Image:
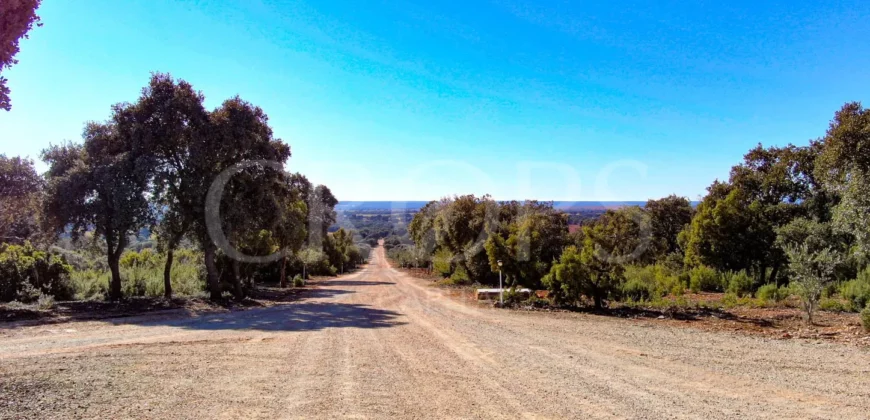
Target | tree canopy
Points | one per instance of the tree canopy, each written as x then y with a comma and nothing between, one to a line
17,18
20,199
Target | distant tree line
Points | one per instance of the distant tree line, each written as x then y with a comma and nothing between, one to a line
373,225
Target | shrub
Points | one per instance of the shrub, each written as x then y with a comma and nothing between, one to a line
143,277
731,300
90,284
537,302
460,276
441,262
298,281
638,290
45,302
738,283
833,305
668,284
811,272
640,283
865,318
705,279
857,291
144,258
650,282
26,272
512,298
685,279
769,292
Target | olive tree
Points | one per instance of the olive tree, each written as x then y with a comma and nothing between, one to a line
811,272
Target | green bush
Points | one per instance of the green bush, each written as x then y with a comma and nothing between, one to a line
142,275
442,262
834,305
857,291
511,297
638,290
144,258
865,318
45,302
650,282
26,273
460,276
685,279
640,283
738,283
769,292
670,284
298,281
90,284
705,279
731,300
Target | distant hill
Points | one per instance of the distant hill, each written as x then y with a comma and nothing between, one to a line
417,205
380,205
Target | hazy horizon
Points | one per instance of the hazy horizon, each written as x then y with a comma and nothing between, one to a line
417,204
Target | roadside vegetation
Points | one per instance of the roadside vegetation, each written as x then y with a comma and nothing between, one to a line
790,223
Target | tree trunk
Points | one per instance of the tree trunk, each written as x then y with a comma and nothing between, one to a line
167,273
598,301
775,273
763,274
115,284
238,291
214,286
114,249
283,277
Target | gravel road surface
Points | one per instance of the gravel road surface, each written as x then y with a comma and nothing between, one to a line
379,344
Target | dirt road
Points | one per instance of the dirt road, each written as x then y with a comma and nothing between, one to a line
378,344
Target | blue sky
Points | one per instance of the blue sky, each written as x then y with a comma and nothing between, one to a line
417,100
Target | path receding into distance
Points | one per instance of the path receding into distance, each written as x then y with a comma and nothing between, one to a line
379,344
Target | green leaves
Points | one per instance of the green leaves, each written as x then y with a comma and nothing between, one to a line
17,17
20,200
668,217
527,239
852,214
26,272
811,272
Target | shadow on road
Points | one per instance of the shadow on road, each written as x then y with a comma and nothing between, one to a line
353,283
293,311
301,316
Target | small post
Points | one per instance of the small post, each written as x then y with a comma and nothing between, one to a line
500,288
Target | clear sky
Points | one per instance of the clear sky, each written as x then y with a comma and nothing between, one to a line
414,100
